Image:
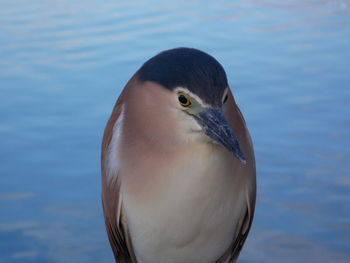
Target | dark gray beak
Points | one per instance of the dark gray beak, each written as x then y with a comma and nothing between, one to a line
216,127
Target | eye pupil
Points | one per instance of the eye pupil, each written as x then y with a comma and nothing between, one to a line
183,99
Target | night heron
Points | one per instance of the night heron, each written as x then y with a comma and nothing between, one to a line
178,168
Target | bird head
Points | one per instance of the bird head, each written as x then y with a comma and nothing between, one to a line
199,91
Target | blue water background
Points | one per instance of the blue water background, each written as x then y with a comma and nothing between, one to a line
63,64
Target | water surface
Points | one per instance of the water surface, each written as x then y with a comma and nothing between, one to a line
63,64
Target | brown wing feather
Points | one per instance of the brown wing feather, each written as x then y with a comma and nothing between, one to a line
118,235
234,250
237,120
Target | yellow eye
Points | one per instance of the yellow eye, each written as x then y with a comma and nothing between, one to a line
184,101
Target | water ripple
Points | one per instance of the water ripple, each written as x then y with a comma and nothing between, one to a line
63,64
